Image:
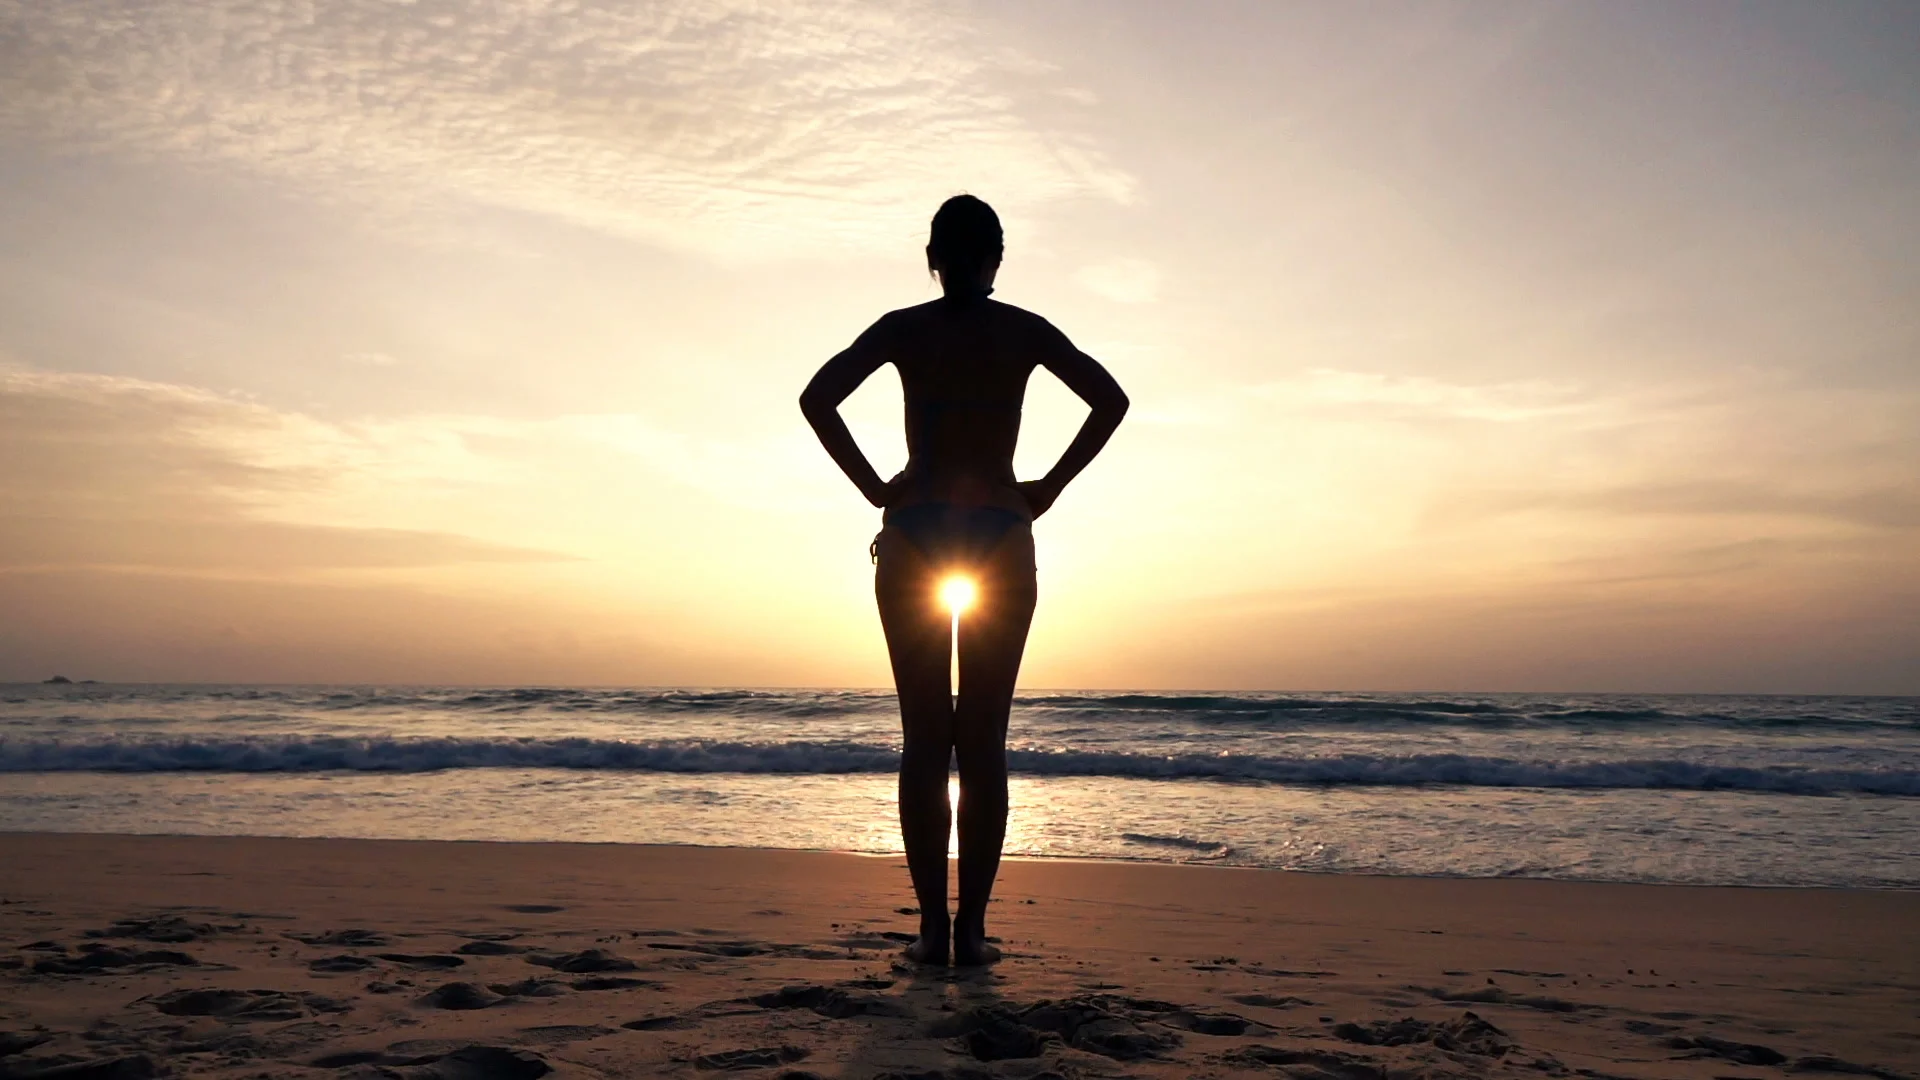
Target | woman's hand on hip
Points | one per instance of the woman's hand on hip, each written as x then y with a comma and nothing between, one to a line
888,493
1039,495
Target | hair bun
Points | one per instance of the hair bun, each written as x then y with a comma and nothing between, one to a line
965,240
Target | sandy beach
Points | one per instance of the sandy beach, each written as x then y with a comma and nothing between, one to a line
131,956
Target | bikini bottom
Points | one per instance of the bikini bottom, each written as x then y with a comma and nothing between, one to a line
947,534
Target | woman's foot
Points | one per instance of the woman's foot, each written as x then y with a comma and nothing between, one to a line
925,950
973,950
931,946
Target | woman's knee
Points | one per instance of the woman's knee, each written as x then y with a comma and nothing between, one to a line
980,764
987,791
921,757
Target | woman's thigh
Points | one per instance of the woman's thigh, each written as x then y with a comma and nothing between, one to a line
919,635
993,635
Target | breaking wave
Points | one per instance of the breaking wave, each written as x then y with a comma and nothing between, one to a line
1259,711
266,753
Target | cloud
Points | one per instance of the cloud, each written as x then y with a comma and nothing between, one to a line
121,625
99,445
1873,507
1730,623
1123,280
731,127
153,531
112,472
115,471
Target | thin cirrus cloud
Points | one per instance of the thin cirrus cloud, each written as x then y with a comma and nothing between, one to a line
115,471
1505,481
120,473
723,126
153,530
157,531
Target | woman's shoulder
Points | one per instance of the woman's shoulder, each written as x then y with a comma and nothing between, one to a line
940,310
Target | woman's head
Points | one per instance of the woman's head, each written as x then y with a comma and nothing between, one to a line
965,245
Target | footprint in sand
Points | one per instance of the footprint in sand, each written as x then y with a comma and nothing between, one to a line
616,982
830,1002
765,1057
1494,995
95,959
350,939
336,965
19,1042
429,962
584,962
165,929
1124,1029
1467,1034
1738,1052
466,1063
529,988
245,1005
557,1034
1270,1001
491,948
660,1023
1325,1062
124,1067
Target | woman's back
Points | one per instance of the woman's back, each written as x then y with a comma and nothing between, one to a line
963,369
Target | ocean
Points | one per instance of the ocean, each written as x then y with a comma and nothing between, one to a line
1680,789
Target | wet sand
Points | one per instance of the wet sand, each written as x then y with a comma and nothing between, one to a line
124,957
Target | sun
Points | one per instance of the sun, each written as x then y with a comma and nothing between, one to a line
957,593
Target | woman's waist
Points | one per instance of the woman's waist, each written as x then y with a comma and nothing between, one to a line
965,492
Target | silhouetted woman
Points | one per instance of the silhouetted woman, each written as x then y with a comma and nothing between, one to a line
957,510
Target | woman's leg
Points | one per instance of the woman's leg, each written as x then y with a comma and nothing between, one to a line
992,638
919,641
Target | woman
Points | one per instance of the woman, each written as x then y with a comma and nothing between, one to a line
957,509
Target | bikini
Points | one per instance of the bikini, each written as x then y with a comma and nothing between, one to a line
948,534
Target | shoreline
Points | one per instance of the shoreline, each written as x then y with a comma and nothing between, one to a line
608,959
1069,860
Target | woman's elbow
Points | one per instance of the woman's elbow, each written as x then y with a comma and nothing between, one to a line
813,402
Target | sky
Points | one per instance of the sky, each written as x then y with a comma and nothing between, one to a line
1482,346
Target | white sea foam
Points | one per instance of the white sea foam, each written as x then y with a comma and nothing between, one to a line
1273,711
1730,790
331,753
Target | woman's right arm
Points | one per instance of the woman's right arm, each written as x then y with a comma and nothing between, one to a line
820,402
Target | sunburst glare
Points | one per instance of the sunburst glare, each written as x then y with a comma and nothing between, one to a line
957,593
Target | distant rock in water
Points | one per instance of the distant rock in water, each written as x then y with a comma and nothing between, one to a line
61,679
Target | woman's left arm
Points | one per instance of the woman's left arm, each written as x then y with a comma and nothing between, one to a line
820,402
1107,406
